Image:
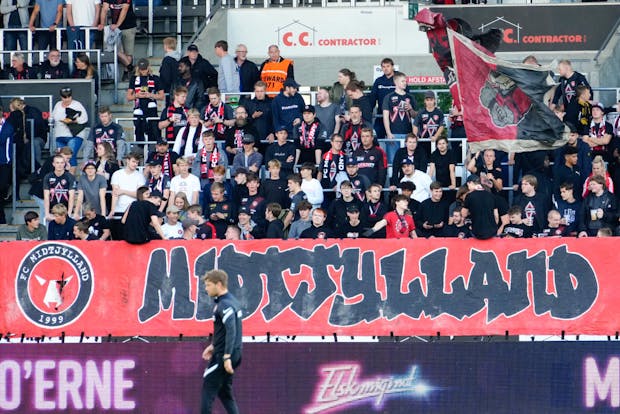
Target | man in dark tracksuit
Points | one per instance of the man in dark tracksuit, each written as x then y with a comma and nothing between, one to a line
225,351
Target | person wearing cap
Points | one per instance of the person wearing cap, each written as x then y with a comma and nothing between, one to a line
260,112
287,106
276,70
282,150
156,180
122,17
218,115
70,122
106,131
337,211
189,228
351,129
359,182
480,206
249,158
172,228
429,123
141,222
421,180
352,227
144,90
195,88
411,151
234,135
310,137
249,229
202,69
599,133
227,74
174,116
564,97
166,156
91,189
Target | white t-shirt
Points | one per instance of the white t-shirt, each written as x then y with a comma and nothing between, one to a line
187,185
172,231
60,112
83,11
129,182
422,183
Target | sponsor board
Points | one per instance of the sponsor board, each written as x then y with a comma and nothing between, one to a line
362,378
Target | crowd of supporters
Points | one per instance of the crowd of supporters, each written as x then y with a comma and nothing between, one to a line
274,166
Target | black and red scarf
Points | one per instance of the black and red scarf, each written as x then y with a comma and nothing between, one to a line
208,162
307,134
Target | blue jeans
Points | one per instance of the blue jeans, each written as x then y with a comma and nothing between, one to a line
390,147
76,38
11,39
75,143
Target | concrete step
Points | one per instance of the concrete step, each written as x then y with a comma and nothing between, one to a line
8,232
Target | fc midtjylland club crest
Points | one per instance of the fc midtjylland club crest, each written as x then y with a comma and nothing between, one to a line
54,284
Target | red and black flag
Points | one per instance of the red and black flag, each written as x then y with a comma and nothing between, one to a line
503,102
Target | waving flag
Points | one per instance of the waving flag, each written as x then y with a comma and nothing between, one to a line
503,102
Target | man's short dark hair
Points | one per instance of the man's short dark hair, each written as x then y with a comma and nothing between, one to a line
304,205
275,209
435,185
515,210
251,176
81,226
30,215
296,178
223,44
567,186
387,60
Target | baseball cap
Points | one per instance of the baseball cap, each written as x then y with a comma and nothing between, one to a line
407,161
351,161
248,139
192,48
244,210
156,193
598,105
172,209
162,141
65,91
89,163
155,162
429,94
187,223
309,108
291,82
353,209
143,63
281,128
473,178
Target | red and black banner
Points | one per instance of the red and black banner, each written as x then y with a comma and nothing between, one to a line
347,287
503,103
